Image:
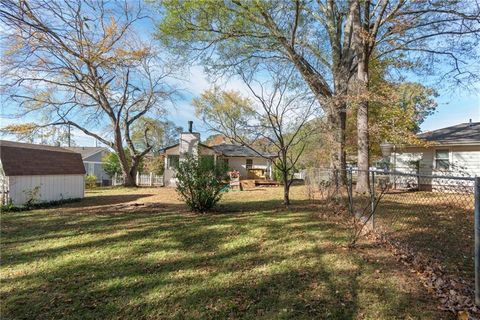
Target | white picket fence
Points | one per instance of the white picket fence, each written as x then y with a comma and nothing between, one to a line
142,180
299,175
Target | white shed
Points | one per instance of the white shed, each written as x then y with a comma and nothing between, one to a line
39,173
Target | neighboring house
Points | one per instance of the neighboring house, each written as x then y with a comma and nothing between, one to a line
240,158
452,151
39,173
92,159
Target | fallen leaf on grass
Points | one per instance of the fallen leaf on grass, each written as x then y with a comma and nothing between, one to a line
462,315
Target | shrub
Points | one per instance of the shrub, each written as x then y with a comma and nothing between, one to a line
10,207
90,181
200,182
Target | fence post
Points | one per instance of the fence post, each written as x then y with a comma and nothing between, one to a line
151,179
373,200
137,180
350,190
477,239
115,177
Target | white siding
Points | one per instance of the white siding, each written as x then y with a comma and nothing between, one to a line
51,187
464,162
404,161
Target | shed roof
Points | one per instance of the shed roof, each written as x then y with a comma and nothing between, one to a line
464,133
25,159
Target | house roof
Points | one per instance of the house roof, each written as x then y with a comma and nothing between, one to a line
87,151
464,133
229,150
25,159
177,144
235,150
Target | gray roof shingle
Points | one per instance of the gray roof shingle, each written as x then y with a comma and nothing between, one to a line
87,151
463,133
235,150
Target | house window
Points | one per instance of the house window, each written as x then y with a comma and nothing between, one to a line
172,161
442,159
249,164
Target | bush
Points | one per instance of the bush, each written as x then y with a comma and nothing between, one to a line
200,182
10,207
90,181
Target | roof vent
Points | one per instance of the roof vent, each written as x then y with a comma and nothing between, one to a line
471,123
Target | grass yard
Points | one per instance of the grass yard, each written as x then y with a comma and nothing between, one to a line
139,254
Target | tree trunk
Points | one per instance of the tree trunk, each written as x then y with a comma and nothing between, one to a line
286,188
286,193
363,185
337,128
130,181
362,48
336,115
133,171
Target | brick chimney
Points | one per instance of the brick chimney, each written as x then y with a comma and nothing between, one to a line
189,142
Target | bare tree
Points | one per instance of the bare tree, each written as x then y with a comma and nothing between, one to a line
81,63
279,115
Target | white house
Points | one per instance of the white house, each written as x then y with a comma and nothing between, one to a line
39,173
453,151
92,160
250,164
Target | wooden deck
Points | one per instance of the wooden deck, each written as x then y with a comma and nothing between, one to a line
251,183
267,183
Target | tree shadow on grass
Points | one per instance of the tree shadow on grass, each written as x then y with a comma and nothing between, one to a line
102,200
172,265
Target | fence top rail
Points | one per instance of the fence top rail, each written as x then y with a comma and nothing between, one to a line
433,176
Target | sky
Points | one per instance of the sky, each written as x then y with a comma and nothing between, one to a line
453,108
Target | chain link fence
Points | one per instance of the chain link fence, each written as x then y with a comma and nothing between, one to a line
431,214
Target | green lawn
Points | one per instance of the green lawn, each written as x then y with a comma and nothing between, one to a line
139,254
